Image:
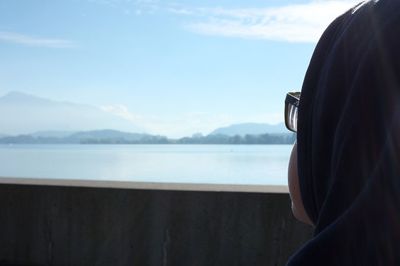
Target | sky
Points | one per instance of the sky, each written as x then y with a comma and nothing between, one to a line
171,67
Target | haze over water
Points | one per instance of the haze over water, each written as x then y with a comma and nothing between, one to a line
208,164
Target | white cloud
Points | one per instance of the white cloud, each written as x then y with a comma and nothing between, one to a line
121,111
182,11
186,124
128,7
291,23
27,40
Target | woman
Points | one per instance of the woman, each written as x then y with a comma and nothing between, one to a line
348,142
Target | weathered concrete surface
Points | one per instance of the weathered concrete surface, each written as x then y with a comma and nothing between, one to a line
42,225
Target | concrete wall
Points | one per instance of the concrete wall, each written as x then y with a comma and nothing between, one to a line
42,225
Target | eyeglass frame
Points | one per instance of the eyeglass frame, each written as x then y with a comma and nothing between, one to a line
292,101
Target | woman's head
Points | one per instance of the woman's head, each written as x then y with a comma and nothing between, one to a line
348,141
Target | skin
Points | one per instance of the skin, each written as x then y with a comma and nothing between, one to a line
294,189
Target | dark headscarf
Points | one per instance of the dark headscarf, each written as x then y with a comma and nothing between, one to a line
349,140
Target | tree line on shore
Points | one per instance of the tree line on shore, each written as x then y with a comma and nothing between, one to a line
283,138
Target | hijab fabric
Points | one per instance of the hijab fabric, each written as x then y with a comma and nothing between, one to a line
349,140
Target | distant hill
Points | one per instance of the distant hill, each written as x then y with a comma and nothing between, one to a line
93,134
108,134
52,134
250,129
85,137
22,113
66,122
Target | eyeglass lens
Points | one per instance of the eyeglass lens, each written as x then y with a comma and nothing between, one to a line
293,117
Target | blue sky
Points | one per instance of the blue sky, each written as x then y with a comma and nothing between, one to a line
171,67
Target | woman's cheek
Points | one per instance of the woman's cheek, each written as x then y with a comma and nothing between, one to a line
294,189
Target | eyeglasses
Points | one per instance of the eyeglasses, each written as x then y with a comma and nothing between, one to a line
291,110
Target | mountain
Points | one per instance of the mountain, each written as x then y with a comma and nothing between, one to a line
250,129
22,113
108,134
105,134
21,98
52,134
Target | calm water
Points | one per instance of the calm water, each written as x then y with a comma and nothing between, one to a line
215,164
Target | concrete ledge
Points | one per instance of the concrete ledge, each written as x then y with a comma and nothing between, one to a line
144,185
54,225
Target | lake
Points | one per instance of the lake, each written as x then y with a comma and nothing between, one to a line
209,164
